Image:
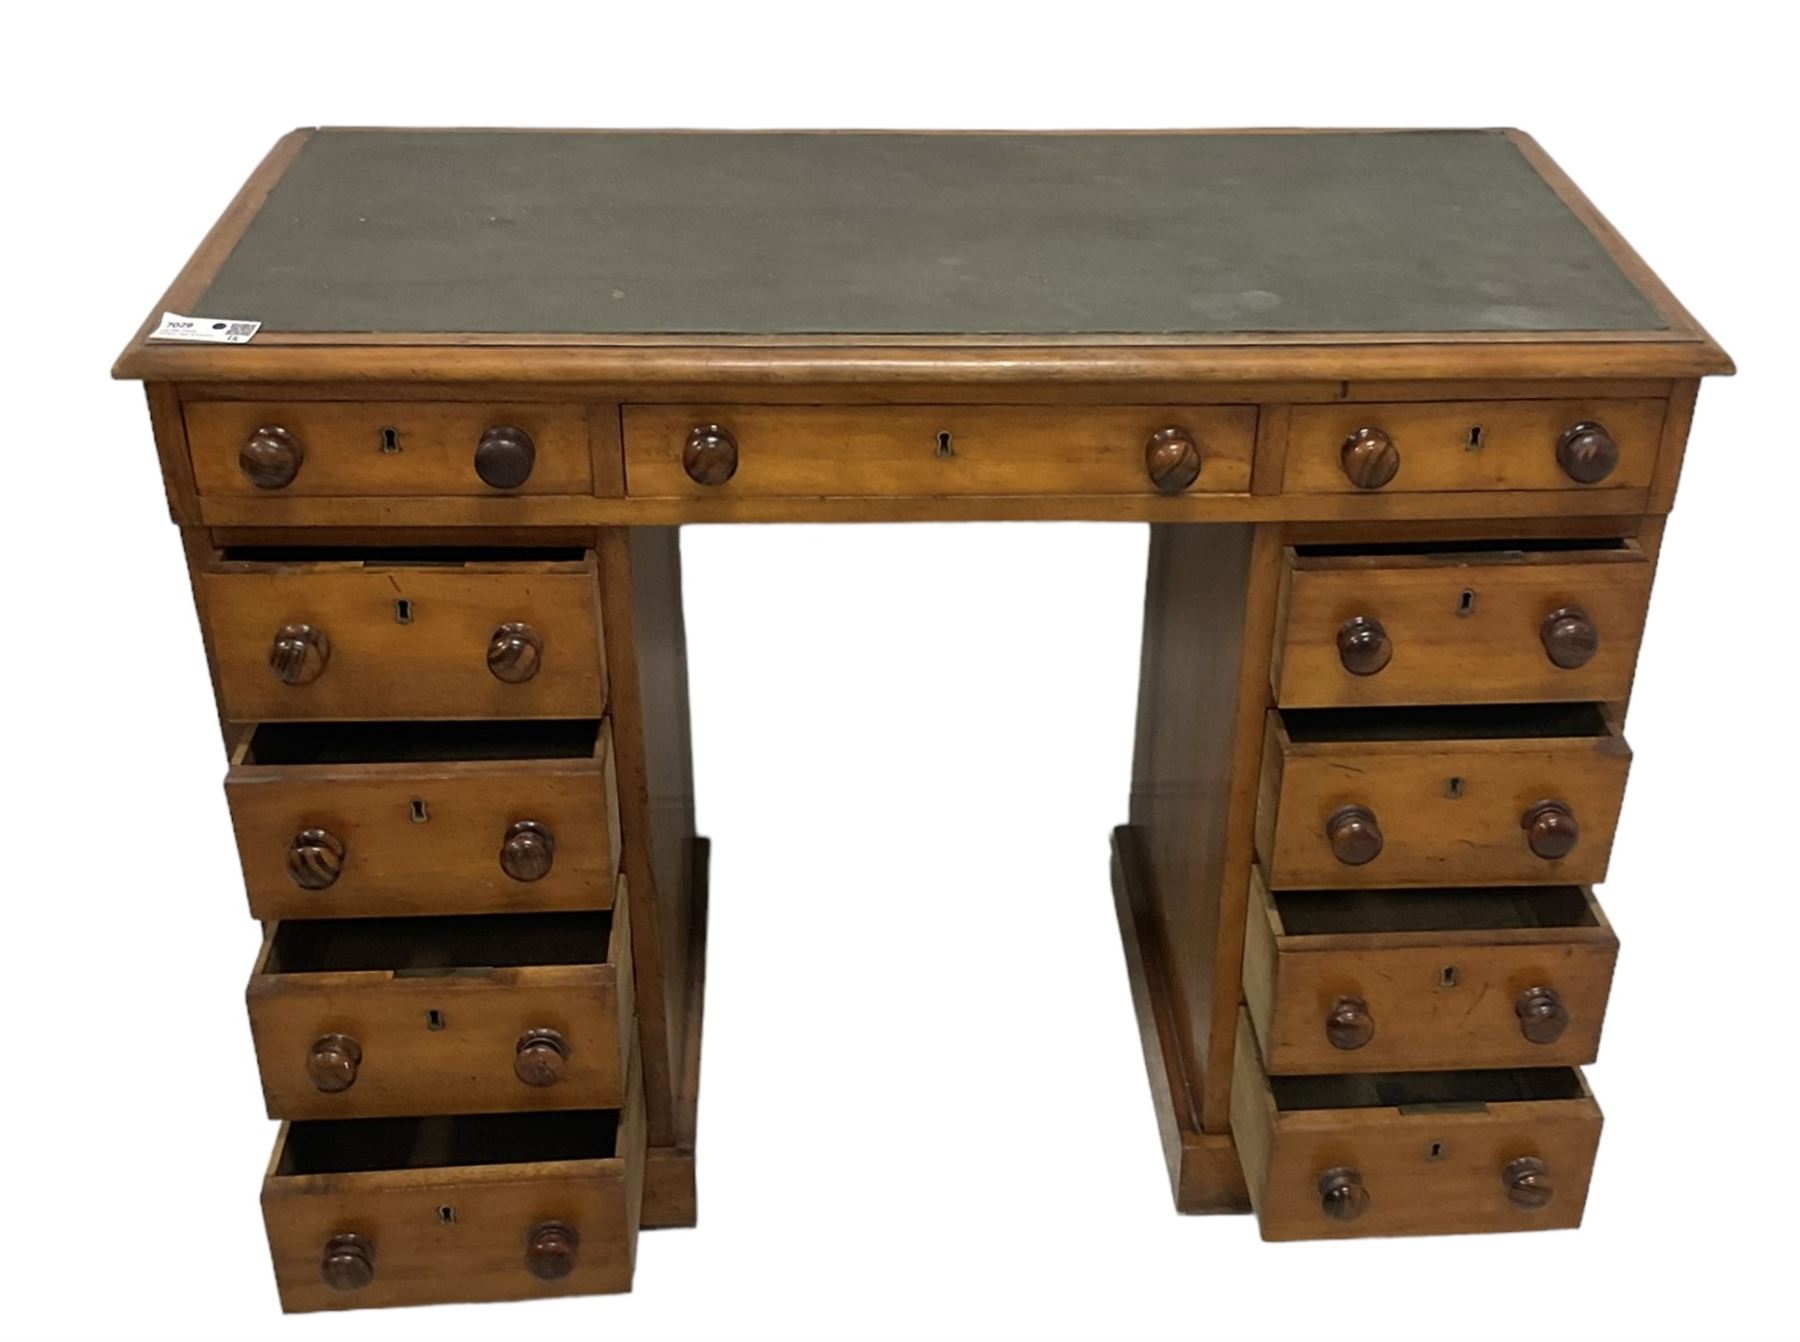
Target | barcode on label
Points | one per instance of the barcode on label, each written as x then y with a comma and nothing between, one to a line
208,330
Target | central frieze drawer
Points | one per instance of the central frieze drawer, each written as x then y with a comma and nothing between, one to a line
707,451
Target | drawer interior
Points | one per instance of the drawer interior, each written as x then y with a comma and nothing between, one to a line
442,556
361,1145
1495,551
419,947
1476,722
302,743
1412,1091
1308,913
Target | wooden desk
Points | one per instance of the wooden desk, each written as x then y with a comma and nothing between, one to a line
1404,415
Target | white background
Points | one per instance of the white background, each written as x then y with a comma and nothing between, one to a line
924,1108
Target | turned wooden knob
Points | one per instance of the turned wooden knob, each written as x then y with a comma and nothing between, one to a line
515,653
711,454
1527,1181
1349,1025
541,1057
1542,1015
1587,452
1172,456
1363,645
271,457
1342,1196
1369,458
315,859
332,1061
1570,638
1550,829
550,1249
528,851
1354,835
504,457
348,1264
299,654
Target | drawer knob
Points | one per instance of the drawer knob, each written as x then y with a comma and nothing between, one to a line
1570,638
1527,1181
528,852
332,1062
271,457
541,1057
711,454
315,859
1349,1025
1542,1015
1587,452
1363,645
1369,458
1550,829
1342,1196
515,652
550,1250
299,654
1172,456
348,1264
504,457
1355,837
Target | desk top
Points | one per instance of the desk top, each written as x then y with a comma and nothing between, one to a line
818,246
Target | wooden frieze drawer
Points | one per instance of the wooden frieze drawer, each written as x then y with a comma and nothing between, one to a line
348,820
323,634
1496,794
1472,445
1402,980
698,451
1412,1153
262,449
366,1017
414,1211
1460,624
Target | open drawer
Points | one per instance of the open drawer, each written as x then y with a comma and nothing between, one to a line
1397,980
348,820
1412,1153
1495,794
364,1017
413,1211
320,633
1459,623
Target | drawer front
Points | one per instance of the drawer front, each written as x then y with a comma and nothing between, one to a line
372,1233
443,1039
371,840
313,449
1460,628
1472,445
931,451
1324,1172
1503,811
1527,988
365,641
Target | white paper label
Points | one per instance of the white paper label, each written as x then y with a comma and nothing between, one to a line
207,330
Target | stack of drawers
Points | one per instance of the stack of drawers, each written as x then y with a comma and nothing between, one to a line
1426,967
422,784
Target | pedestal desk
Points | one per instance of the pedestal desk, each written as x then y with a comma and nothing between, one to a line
1404,416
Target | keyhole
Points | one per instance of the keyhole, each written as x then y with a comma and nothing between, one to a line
446,1216
419,814
390,440
1436,1152
1454,789
1465,604
944,446
1474,443
403,611
434,1019
1447,977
